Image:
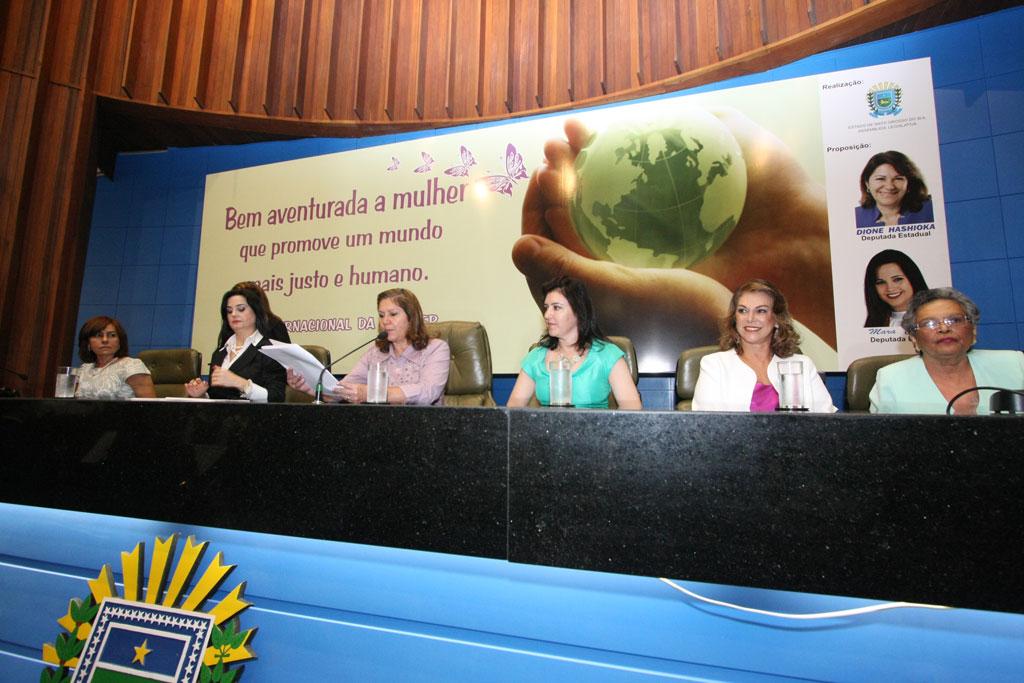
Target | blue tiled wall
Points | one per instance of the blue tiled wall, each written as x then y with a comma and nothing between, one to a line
144,245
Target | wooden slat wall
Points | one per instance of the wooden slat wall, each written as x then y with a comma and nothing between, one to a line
464,61
621,46
492,93
374,54
346,41
180,79
46,95
414,61
287,47
252,58
147,49
404,61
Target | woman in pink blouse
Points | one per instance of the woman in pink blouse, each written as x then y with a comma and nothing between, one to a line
417,364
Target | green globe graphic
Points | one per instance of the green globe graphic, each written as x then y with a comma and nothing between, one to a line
664,193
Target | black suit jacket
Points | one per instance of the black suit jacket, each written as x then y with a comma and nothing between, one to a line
258,367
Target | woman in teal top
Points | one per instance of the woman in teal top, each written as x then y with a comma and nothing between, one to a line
598,366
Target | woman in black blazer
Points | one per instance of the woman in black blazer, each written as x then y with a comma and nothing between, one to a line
238,369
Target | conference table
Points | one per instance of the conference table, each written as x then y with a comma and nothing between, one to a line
917,508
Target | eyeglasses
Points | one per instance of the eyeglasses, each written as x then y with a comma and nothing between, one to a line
934,323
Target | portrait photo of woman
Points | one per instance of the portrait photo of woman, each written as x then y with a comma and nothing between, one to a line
892,192
891,279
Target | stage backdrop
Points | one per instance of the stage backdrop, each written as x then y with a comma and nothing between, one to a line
670,204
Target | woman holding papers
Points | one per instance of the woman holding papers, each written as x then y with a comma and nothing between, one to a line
417,364
238,370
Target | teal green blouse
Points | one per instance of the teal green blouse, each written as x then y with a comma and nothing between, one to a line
590,387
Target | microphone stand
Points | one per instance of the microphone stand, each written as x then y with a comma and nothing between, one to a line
320,379
1003,401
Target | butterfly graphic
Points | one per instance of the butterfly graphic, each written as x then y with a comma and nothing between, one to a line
394,164
428,161
515,170
463,168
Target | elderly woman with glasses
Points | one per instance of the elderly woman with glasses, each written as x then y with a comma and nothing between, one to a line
942,326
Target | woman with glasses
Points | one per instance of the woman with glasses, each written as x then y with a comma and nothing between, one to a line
942,326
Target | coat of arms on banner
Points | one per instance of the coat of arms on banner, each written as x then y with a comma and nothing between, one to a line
157,631
884,99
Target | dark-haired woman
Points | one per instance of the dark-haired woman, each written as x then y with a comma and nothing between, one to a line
277,330
892,192
598,365
238,369
757,334
107,371
417,363
890,280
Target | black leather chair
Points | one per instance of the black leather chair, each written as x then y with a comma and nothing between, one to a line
171,368
860,377
687,371
469,377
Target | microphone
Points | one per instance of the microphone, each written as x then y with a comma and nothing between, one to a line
1008,401
5,392
320,380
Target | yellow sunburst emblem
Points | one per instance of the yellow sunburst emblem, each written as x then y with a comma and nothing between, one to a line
163,633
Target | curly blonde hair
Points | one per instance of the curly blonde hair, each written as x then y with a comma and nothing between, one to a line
785,340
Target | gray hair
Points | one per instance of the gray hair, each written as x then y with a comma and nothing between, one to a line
927,296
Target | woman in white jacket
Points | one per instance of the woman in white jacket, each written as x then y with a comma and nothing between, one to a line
757,334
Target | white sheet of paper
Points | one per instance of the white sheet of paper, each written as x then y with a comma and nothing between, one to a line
301,361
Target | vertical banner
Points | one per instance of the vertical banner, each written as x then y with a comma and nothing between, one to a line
886,214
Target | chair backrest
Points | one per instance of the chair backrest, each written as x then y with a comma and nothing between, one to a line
860,377
624,343
469,377
687,371
171,368
322,355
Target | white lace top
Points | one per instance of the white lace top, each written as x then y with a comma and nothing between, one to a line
110,381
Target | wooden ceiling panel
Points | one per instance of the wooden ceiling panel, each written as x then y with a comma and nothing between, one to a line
315,61
659,58
288,43
492,92
554,44
586,33
217,57
358,67
464,60
374,52
739,27
112,45
184,53
404,60
252,61
523,55
147,49
621,46
343,73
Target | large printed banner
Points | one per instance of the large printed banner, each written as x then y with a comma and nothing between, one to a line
663,207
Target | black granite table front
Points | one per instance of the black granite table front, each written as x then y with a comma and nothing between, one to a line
917,508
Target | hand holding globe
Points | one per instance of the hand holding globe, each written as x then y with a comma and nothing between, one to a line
781,235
